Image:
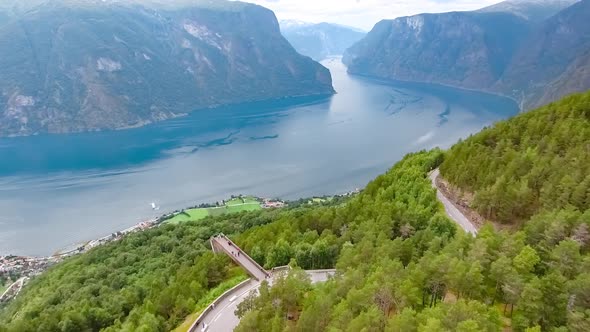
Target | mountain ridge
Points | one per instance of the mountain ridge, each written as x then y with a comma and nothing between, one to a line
551,62
422,38
532,10
111,65
491,51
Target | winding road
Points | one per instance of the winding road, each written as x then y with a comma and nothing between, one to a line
450,208
13,290
222,318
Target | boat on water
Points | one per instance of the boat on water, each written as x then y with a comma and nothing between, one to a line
155,207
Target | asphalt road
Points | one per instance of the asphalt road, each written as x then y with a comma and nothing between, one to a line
14,288
450,208
222,317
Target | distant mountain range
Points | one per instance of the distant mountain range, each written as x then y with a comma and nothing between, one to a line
320,40
532,10
532,51
85,65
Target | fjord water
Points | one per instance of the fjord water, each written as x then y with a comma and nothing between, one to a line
59,190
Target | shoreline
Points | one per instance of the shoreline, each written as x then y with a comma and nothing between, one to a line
303,99
28,267
145,225
142,225
382,80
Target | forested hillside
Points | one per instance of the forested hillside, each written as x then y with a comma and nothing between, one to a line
149,281
539,160
403,268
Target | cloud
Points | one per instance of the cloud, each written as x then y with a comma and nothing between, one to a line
363,13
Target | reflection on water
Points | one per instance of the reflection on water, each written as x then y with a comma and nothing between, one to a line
62,189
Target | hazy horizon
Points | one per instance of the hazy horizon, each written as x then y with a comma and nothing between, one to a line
363,14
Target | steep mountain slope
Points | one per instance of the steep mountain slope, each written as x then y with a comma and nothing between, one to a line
506,49
536,161
554,59
532,10
319,41
76,65
464,49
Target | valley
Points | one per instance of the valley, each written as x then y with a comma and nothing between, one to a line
106,181
211,166
322,40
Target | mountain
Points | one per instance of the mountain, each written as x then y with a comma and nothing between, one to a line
84,65
499,49
554,60
319,41
532,10
463,49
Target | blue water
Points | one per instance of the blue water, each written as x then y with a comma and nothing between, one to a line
58,190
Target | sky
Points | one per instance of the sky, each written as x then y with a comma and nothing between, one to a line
363,14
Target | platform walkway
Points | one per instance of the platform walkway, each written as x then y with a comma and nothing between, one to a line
222,244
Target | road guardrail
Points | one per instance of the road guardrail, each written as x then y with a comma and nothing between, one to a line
210,307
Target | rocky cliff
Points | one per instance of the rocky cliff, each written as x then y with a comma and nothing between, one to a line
80,65
553,61
463,49
532,10
527,50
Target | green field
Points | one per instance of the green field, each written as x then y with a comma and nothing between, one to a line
188,215
232,206
240,201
